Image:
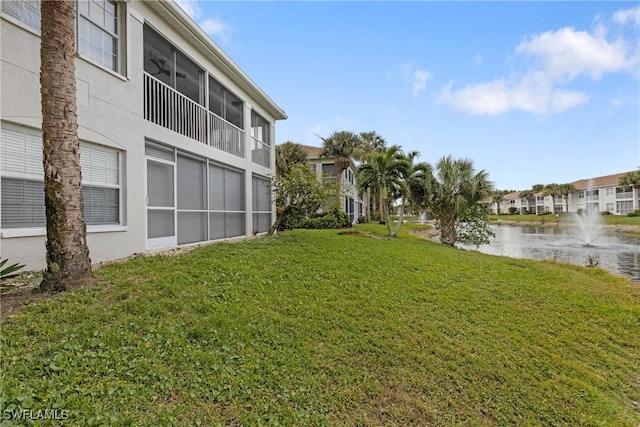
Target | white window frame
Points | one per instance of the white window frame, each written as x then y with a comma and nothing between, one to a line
33,155
119,36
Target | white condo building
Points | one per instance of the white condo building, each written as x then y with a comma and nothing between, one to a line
602,193
176,141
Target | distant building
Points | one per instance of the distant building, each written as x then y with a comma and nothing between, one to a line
325,168
601,193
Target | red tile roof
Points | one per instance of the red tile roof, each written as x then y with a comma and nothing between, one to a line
312,152
511,196
600,181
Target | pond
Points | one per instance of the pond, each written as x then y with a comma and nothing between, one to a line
616,252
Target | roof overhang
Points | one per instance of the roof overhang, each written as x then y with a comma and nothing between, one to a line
183,23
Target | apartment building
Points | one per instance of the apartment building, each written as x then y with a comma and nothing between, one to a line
601,193
176,141
325,168
604,194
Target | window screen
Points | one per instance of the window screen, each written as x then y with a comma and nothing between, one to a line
23,180
26,11
192,181
159,184
226,202
261,204
22,203
101,205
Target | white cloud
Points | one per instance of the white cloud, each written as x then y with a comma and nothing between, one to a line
420,79
559,57
632,16
563,100
217,29
191,8
567,53
414,77
213,26
500,96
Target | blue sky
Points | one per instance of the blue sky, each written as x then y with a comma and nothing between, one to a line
532,92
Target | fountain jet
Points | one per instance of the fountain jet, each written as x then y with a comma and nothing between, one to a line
590,225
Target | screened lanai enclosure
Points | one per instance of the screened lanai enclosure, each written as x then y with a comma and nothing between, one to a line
193,199
182,96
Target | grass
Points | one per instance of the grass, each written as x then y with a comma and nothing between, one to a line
315,327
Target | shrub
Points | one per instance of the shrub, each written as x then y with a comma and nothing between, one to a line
362,219
513,210
634,213
10,270
333,219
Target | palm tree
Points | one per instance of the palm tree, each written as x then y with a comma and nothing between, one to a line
497,197
288,154
67,251
457,191
370,143
537,189
565,190
342,147
414,185
631,179
383,174
527,195
552,190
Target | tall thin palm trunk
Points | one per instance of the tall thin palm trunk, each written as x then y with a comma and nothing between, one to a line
368,205
400,217
67,250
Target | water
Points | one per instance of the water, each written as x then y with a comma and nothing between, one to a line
590,227
615,252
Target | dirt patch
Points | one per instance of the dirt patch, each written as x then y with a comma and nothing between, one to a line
358,233
425,233
21,290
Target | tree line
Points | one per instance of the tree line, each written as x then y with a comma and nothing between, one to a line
387,177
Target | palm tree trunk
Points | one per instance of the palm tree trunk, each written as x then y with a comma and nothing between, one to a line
448,226
400,218
339,171
67,251
284,214
388,219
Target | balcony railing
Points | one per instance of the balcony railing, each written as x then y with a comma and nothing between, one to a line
225,136
624,195
168,108
260,153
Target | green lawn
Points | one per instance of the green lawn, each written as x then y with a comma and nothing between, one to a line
321,328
